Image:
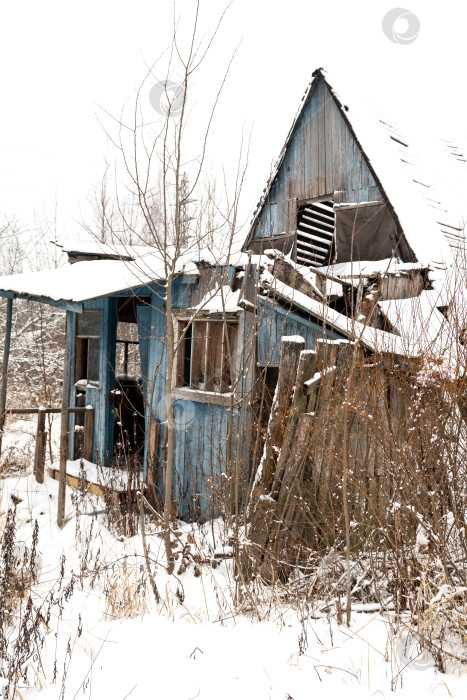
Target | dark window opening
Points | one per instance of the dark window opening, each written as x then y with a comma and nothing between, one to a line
204,354
126,308
127,360
315,233
86,371
129,424
88,327
185,354
127,392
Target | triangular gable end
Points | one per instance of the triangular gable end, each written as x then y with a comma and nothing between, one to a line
321,164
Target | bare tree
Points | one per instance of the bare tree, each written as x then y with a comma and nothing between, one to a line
162,186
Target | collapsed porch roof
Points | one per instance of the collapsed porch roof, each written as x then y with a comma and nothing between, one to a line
438,341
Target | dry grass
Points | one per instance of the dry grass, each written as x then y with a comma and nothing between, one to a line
126,592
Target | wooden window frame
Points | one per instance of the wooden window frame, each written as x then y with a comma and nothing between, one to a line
211,385
84,340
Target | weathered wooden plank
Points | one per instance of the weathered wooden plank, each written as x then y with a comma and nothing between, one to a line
180,413
314,149
104,419
348,161
297,165
152,462
143,314
306,368
289,361
333,117
214,357
321,139
153,441
364,180
291,506
198,355
328,102
6,355
64,422
307,161
61,304
374,194
88,433
39,456
27,411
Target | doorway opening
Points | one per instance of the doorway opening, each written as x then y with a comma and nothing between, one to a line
127,392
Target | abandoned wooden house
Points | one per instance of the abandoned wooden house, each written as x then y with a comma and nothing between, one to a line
346,243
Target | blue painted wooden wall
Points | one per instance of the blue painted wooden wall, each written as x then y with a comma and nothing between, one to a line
322,157
274,321
201,429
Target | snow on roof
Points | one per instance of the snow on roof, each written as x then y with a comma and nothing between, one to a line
91,279
87,280
423,177
439,341
416,319
222,300
370,268
93,247
218,252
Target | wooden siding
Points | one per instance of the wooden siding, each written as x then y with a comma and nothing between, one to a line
200,438
322,157
274,322
200,428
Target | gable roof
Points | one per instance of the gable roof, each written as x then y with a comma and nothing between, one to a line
431,219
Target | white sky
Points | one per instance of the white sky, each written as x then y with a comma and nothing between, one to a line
61,62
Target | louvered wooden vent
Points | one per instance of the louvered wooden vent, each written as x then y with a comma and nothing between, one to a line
315,233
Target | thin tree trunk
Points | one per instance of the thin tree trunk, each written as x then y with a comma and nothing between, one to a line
169,425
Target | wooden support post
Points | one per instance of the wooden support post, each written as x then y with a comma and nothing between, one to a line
152,458
88,433
153,443
306,368
125,358
288,364
41,443
64,422
6,355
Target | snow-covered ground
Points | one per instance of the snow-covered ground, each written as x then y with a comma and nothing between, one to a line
112,640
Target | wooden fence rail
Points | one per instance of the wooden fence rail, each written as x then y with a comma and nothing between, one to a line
41,433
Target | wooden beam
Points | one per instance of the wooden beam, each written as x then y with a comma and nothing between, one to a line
4,377
64,424
28,411
153,459
60,303
41,437
88,433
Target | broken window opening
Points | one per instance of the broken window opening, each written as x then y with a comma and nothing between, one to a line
127,360
88,326
86,370
127,391
204,352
